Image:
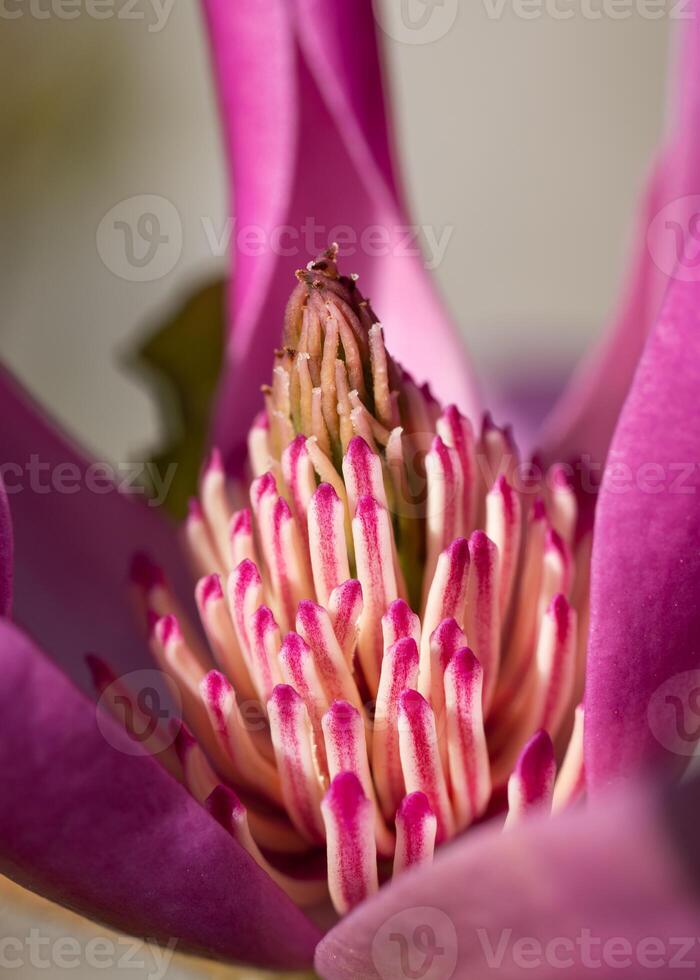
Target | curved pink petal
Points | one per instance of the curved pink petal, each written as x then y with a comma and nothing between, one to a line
74,536
110,834
569,896
6,554
584,419
306,136
645,577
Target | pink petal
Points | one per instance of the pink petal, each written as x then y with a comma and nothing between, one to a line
550,891
645,614
303,110
108,832
72,550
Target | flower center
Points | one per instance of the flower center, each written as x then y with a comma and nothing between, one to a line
393,618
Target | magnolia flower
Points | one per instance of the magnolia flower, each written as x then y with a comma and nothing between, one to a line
394,608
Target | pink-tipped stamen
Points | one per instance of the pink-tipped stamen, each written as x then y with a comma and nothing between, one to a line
571,778
420,759
483,620
399,673
327,544
372,535
416,829
293,742
351,849
227,809
314,626
470,776
345,609
531,785
503,527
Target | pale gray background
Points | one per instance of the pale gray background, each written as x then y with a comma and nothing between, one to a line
530,137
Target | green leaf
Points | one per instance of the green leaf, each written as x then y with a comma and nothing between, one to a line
182,361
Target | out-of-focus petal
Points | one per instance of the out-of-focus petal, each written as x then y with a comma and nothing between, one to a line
74,535
564,896
6,553
306,135
645,574
584,419
92,825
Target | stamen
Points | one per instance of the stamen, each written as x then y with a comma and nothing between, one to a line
556,665
241,544
400,622
399,673
203,553
447,599
570,782
503,527
420,759
483,616
302,789
345,608
200,778
372,534
416,828
216,505
346,750
227,809
352,853
246,763
216,619
362,471
314,626
299,476
327,545
456,432
531,785
265,642
470,777
444,503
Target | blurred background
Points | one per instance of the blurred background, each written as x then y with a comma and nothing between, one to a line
526,137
